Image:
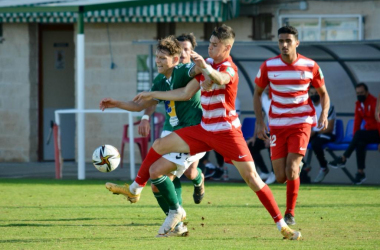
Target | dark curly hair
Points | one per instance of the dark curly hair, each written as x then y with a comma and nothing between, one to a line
188,38
169,44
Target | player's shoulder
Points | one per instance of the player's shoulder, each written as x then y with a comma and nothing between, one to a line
273,61
305,61
159,78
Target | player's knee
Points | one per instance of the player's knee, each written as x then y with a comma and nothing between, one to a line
281,179
154,188
154,173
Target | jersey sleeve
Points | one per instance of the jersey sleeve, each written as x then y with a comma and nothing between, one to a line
318,78
261,79
231,71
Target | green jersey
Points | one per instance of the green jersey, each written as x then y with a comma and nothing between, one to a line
179,114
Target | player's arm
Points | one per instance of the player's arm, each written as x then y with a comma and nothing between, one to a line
217,77
261,129
195,70
377,112
144,126
325,104
130,106
181,94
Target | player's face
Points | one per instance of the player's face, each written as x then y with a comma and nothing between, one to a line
216,48
164,62
287,44
186,50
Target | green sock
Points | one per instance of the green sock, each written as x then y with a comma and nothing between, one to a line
198,180
166,188
162,202
178,189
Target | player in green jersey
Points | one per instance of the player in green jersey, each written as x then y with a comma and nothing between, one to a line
179,115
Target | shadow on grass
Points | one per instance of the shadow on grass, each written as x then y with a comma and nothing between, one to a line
132,224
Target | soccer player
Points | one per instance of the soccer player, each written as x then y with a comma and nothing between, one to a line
291,113
219,129
188,42
179,114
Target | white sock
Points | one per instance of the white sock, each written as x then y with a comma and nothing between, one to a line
135,188
281,224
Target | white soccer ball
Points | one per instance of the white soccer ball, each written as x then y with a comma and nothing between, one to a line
106,158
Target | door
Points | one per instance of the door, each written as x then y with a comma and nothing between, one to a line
58,87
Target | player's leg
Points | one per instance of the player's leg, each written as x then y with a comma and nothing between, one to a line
167,189
133,191
235,150
195,174
180,229
279,169
279,152
248,172
297,141
292,185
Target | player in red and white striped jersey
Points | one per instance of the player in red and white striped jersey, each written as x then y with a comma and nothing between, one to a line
291,113
220,126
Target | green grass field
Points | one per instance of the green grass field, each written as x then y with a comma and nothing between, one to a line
62,214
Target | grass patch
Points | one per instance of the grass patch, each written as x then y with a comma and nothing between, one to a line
62,214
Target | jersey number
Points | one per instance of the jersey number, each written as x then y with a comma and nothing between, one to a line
273,140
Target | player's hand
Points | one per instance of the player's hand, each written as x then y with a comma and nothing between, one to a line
143,96
107,103
267,143
251,140
322,122
206,85
262,130
144,127
198,60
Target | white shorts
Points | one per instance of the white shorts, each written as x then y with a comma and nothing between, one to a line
182,160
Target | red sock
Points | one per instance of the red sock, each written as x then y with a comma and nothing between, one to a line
292,187
143,174
266,197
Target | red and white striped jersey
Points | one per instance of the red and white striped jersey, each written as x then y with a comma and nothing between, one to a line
289,85
219,114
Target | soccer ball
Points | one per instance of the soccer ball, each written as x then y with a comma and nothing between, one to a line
106,158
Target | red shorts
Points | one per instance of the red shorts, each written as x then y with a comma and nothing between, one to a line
289,140
230,144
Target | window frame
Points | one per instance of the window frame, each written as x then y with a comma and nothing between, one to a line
320,28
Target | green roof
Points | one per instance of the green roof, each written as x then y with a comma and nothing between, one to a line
99,11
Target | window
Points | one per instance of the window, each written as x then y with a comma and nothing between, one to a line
326,27
262,27
165,29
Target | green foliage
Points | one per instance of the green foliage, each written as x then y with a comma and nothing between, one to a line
61,214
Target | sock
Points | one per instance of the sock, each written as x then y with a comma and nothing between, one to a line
280,224
162,202
166,188
292,187
198,180
267,199
178,189
135,188
143,174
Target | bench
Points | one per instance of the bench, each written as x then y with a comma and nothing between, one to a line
341,143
